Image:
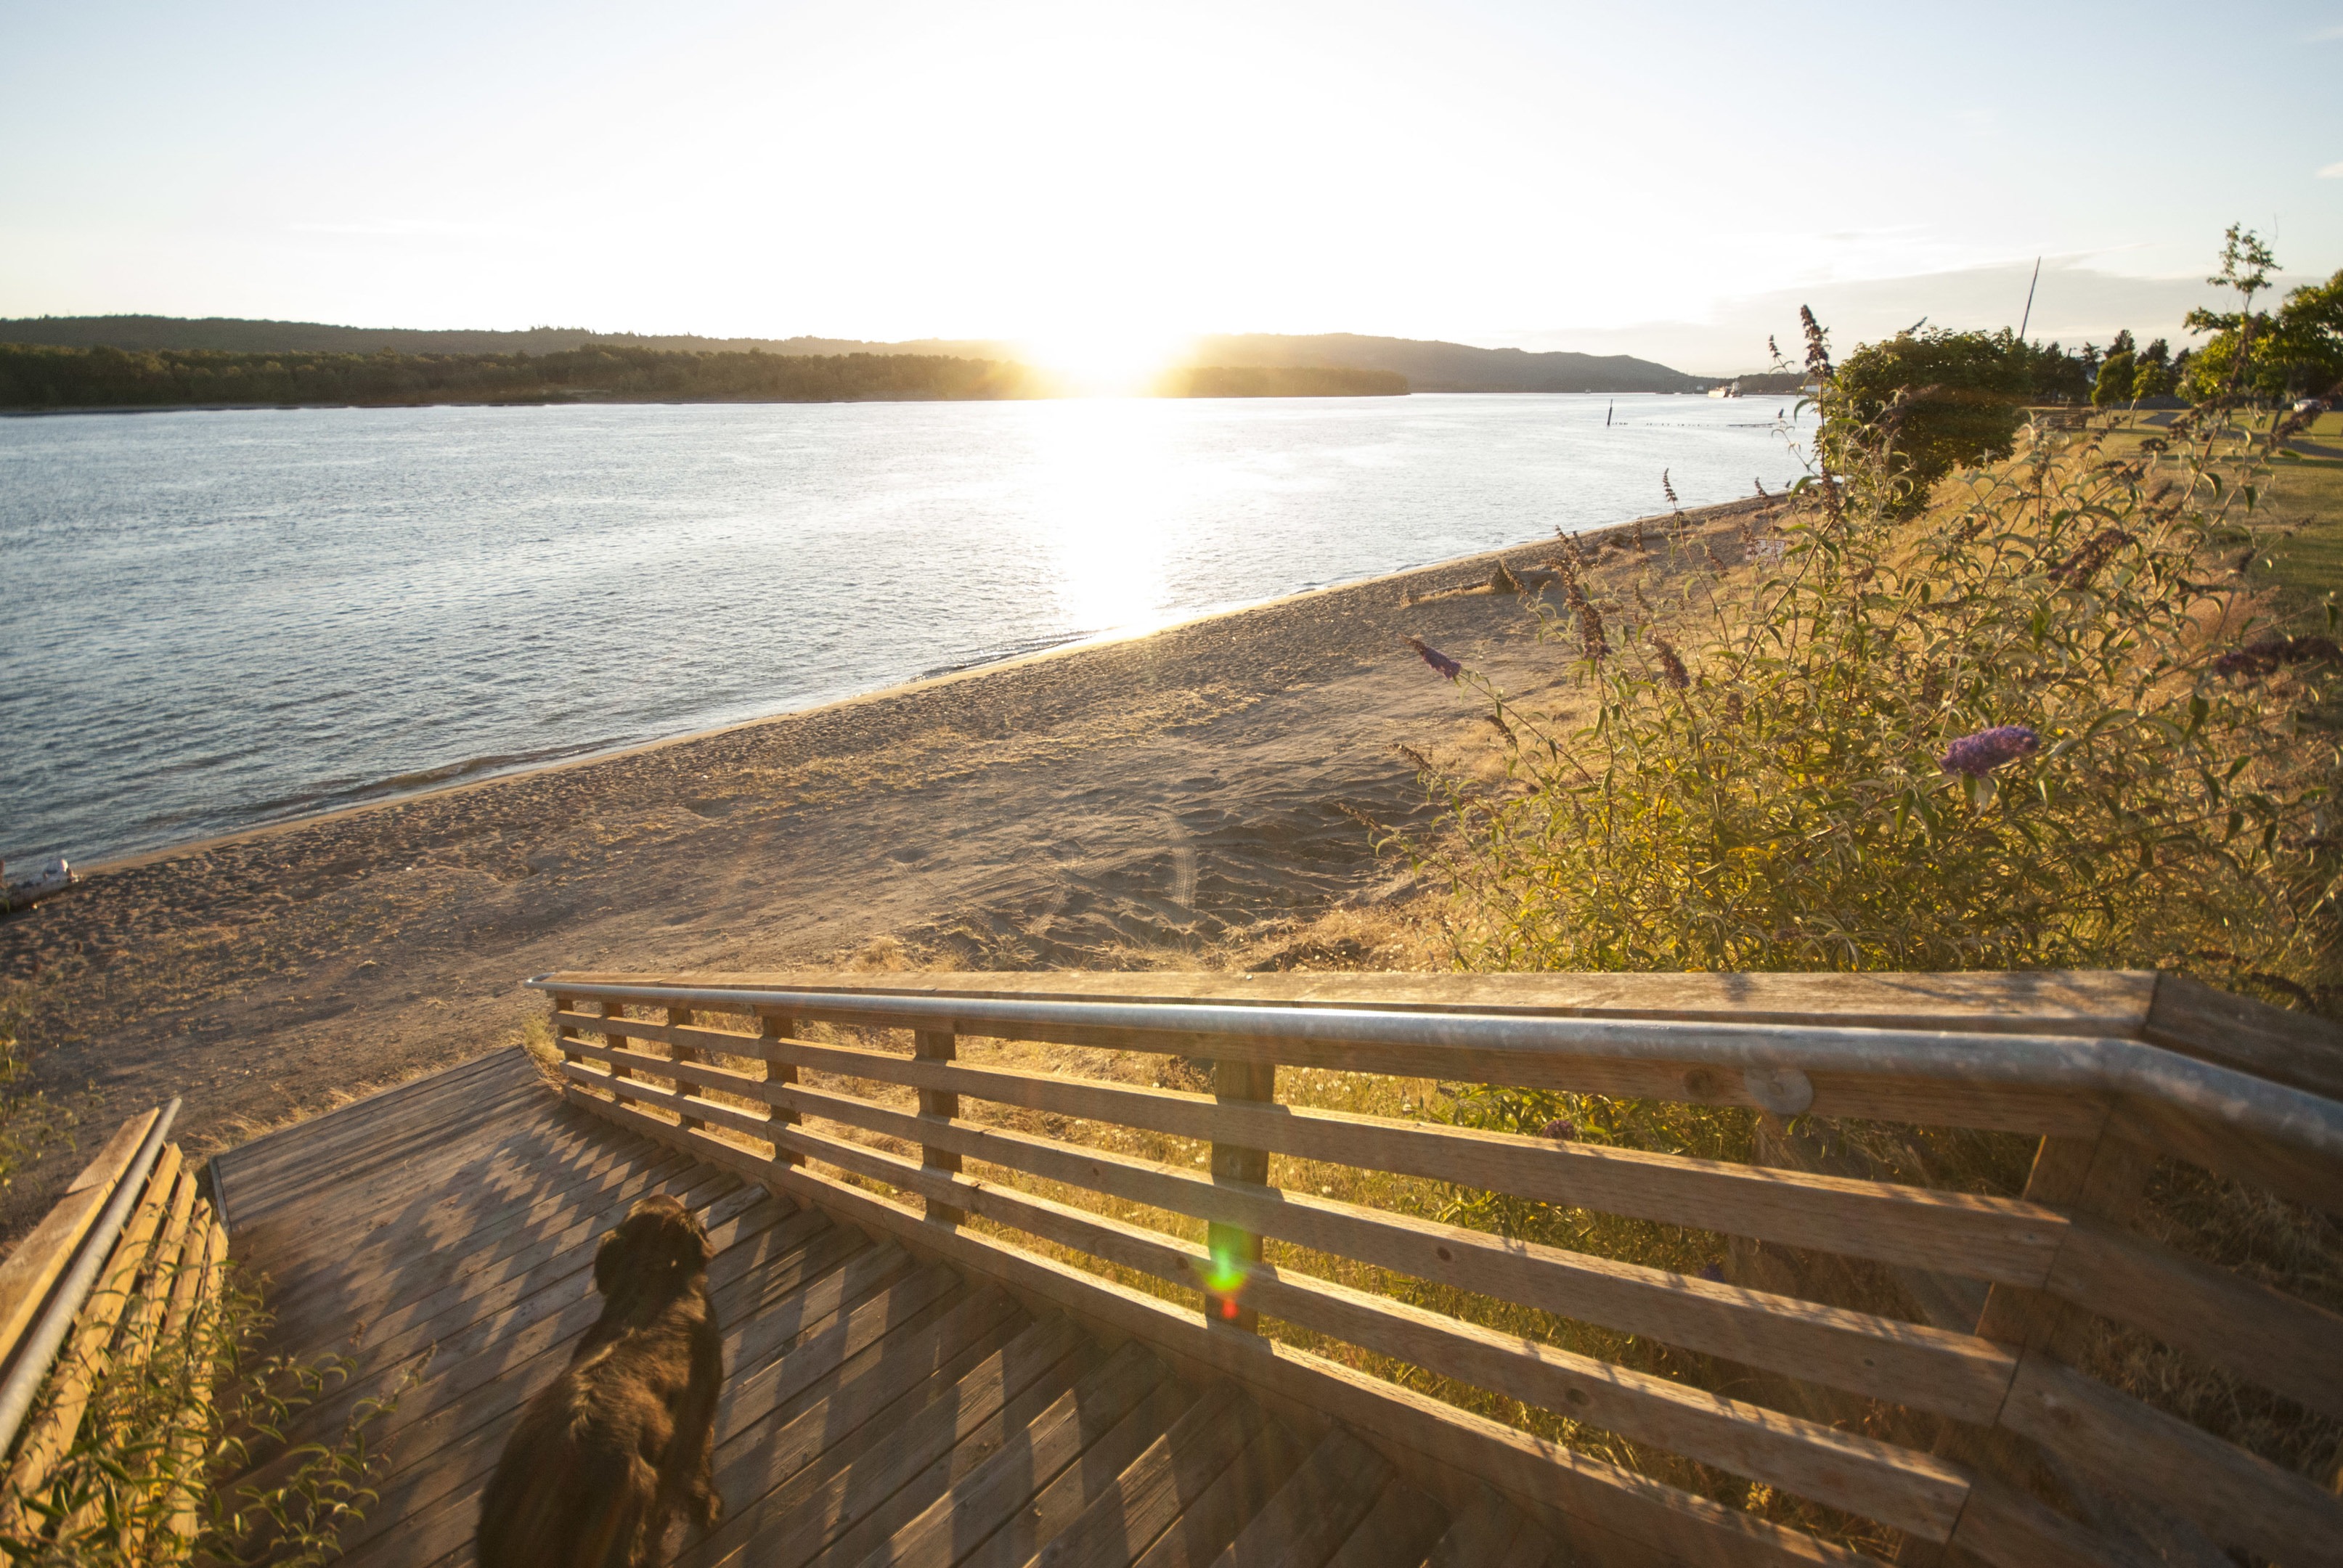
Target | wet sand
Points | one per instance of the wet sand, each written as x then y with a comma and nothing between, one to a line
1140,803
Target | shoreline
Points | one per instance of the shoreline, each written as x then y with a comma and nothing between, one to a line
1190,797
1073,645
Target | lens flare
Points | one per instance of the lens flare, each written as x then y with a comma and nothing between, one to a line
1226,1278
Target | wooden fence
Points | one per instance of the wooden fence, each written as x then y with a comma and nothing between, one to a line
1997,1444
127,1267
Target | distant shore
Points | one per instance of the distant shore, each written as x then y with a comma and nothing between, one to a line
1098,805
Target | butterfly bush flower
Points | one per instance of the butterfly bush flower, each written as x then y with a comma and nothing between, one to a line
1434,657
1560,1129
1979,754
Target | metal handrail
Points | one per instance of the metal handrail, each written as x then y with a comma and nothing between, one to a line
40,1347
2079,1063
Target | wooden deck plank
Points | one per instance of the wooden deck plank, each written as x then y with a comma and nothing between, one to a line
1206,1528
1397,1532
981,1501
766,1397
455,1442
552,1246
1126,1519
973,1449
446,1529
268,1150
472,1376
859,1401
337,1148
1478,1536
402,1275
1029,1530
790,1525
399,1165
1323,1500
300,1239
876,1407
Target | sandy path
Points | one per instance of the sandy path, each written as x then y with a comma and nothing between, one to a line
1105,806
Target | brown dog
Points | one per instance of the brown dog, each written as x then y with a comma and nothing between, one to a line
609,1452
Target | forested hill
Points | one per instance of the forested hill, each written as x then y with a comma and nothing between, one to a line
1435,367
1429,367
40,376
234,334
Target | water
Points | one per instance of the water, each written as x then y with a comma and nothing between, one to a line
219,619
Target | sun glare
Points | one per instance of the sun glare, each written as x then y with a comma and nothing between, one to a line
1117,360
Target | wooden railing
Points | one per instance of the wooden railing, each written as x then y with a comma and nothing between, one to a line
1994,1441
127,1267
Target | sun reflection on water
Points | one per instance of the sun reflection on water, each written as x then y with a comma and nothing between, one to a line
1104,509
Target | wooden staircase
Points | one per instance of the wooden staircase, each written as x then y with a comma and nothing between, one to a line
878,1409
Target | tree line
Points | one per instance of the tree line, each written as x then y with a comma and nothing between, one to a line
1280,381
40,376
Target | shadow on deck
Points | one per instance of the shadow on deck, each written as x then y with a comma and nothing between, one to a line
878,1409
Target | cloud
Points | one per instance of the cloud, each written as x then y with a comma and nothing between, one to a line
2332,172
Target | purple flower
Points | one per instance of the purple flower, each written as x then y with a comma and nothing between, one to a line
1560,1129
1979,754
1434,657
1713,1273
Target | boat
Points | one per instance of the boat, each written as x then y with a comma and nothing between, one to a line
22,892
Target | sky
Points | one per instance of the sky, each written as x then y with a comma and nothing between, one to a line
1100,180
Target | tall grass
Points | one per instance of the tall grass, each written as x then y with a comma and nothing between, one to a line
148,1477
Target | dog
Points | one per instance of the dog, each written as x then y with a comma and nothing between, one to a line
607,1455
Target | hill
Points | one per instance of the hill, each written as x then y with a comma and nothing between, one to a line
1435,367
1428,366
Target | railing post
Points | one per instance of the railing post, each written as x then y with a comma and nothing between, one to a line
2102,1176
680,1018
616,1010
939,1045
562,1031
771,1027
1234,1252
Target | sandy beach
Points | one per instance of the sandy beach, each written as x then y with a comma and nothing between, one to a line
1177,798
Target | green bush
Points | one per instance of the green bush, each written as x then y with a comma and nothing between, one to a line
1922,404
2035,727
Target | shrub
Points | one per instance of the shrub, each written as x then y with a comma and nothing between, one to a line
1922,404
2038,726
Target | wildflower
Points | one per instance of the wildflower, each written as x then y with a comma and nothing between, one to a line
1732,709
1590,631
1668,490
1713,1273
1434,657
1504,729
1979,754
2085,563
1818,365
2264,655
1672,665
1562,1130
1502,579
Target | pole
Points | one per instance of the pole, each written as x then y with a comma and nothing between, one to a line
2029,316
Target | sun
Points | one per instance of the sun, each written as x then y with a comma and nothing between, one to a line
1104,359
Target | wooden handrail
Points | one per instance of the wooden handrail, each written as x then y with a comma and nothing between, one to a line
676,1075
